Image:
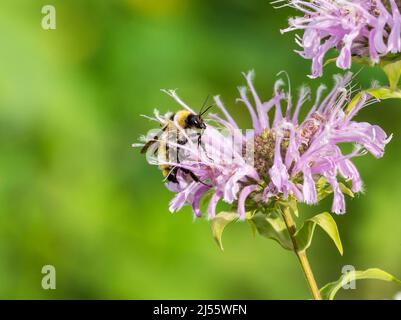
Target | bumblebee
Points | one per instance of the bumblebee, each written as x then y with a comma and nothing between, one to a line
169,132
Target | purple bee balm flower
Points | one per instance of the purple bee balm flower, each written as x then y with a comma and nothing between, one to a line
276,160
364,28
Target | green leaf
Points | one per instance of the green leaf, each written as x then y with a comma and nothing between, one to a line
354,101
251,223
323,188
344,189
392,69
385,93
219,223
382,93
329,291
272,226
305,234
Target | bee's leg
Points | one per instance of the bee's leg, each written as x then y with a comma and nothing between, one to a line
194,176
196,179
200,143
172,175
182,140
199,139
155,139
177,154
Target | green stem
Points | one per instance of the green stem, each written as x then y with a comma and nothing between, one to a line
303,259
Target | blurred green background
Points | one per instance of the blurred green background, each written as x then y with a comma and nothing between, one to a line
74,194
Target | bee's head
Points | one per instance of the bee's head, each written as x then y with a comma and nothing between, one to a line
195,121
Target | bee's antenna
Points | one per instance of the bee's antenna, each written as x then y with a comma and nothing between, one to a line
207,109
204,103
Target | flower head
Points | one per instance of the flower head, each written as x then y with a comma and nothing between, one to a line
364,28
280,158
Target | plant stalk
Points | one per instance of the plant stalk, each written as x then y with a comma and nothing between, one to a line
303,259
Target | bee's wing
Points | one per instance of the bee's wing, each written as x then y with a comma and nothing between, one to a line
153,140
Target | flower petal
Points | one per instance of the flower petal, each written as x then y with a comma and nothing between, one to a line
242,198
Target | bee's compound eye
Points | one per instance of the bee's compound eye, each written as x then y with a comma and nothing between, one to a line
199,122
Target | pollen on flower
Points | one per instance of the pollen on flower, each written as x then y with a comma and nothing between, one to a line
264,143
264,152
